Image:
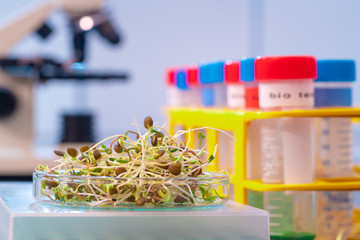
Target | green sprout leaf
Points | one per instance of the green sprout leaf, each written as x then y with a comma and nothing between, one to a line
106,149
211,158
201,138
122,161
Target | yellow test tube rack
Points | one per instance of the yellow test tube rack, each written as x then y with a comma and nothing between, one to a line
237,122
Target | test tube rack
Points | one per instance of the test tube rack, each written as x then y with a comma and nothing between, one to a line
237,121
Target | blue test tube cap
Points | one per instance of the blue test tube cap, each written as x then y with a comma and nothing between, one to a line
247,69
181,79
204,73
216,72
336,71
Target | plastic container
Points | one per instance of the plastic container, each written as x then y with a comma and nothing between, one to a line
234,86
250,85
235,100
333,88
287,83
174,97
253,156
113,192
288,215
193,83
213,91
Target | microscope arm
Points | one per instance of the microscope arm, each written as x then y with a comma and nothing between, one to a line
13,31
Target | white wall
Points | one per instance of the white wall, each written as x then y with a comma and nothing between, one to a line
158,34
163,33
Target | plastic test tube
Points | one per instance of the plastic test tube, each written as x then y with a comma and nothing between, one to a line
182,86
251,89
253,149
287,83
213,91
192,80
235,100
333,87
250,85
174,95
234,86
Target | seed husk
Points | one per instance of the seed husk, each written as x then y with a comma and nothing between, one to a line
51,184
197,172
72,152
84,148
154,140
112,190
148,122
97,154
175,168
131,199
180,199
118,148
120,170
59,153
140,201
73,185
159,154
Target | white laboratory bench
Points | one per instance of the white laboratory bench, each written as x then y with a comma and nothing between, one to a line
23,218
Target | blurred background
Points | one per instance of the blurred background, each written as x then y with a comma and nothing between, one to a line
155,35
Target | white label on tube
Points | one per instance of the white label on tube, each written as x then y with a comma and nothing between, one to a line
220,95
286,94
175,97
235,96
194,97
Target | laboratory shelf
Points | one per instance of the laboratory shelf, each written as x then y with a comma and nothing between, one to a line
21,217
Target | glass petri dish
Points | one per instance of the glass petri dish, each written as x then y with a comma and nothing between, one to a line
207,190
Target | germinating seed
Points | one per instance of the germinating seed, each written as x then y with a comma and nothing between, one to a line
120,170
154,139
84,148
97,154
72,152
112,190
59,153
148,122
118,148
180,199
159,153
140,201
51,184
175,168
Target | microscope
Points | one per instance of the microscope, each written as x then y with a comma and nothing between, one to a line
18,76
